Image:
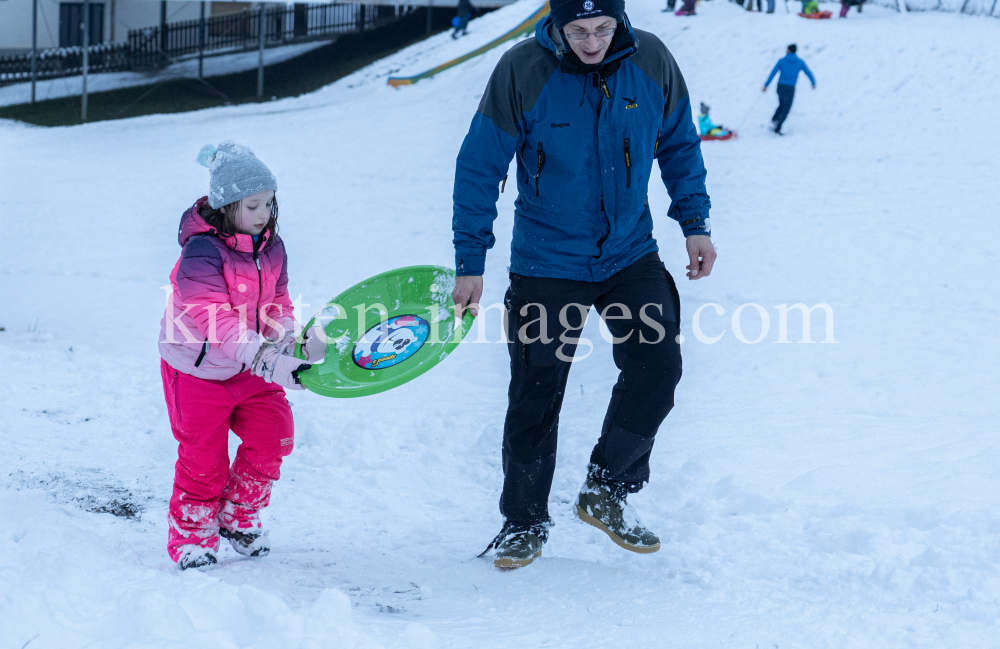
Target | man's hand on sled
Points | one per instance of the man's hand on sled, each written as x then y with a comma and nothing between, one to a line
468,291
701,252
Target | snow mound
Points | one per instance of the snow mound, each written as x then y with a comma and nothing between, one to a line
85,589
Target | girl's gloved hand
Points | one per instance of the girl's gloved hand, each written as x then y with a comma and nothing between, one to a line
274,367
314,343
286,344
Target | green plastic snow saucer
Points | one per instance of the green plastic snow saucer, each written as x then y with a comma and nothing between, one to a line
386,331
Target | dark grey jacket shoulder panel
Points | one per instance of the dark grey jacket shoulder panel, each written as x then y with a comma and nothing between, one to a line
658,63
516,83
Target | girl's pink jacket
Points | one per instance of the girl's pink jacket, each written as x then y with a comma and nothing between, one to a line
226,297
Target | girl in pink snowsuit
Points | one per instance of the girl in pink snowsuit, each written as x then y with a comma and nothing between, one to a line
226,343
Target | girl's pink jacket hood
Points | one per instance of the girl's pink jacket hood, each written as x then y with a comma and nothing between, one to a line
225,299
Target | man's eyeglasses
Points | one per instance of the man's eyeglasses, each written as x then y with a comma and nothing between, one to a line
601,34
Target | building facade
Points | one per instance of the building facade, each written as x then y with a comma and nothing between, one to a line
60,23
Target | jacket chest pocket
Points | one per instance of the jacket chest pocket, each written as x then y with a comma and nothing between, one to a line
245,291
248,278
533,157
633,150
628,163
251,288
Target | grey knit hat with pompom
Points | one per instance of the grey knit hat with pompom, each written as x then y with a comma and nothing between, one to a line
235,173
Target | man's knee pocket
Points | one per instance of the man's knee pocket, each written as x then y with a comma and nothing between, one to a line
530,346
659,362
538,337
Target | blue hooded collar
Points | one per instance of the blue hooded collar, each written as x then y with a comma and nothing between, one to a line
623,45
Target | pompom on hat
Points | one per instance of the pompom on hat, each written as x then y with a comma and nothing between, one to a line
235,173
566,11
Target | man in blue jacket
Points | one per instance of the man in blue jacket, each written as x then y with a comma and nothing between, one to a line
585,107
789,66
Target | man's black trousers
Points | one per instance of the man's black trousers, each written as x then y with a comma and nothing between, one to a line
646,352
786,95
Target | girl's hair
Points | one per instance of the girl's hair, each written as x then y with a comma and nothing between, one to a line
224,218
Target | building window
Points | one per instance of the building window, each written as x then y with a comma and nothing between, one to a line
71,23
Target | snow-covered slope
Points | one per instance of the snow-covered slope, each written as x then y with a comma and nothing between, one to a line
437,51
969,7
811,495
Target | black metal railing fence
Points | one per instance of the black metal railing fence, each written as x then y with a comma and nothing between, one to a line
155,47
65,62
241,31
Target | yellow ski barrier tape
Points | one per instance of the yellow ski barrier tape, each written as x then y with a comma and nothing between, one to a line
525,27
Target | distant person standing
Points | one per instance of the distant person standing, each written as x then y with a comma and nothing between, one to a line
464,13
845,6
687,9
790,65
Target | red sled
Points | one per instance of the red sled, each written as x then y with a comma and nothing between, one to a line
731,135
822,15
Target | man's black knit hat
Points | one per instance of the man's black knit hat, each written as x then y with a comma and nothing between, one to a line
566,11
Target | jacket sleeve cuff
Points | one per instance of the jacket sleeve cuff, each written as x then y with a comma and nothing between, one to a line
470,263
246,352
693,225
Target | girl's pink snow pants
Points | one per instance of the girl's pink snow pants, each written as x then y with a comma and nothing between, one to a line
208,492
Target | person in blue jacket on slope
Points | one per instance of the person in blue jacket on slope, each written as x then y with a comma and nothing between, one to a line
789,66
464,13
585,107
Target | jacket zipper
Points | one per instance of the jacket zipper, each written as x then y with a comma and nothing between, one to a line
260,291
527,174
541,164
260,288
201,356
628,166
600,243
657,145
177,398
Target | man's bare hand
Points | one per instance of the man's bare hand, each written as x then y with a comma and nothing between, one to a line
701,251
468,291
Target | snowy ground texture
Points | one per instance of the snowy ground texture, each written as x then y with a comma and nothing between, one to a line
970,7
809,495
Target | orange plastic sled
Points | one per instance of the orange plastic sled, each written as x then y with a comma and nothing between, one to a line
731,135
822,15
